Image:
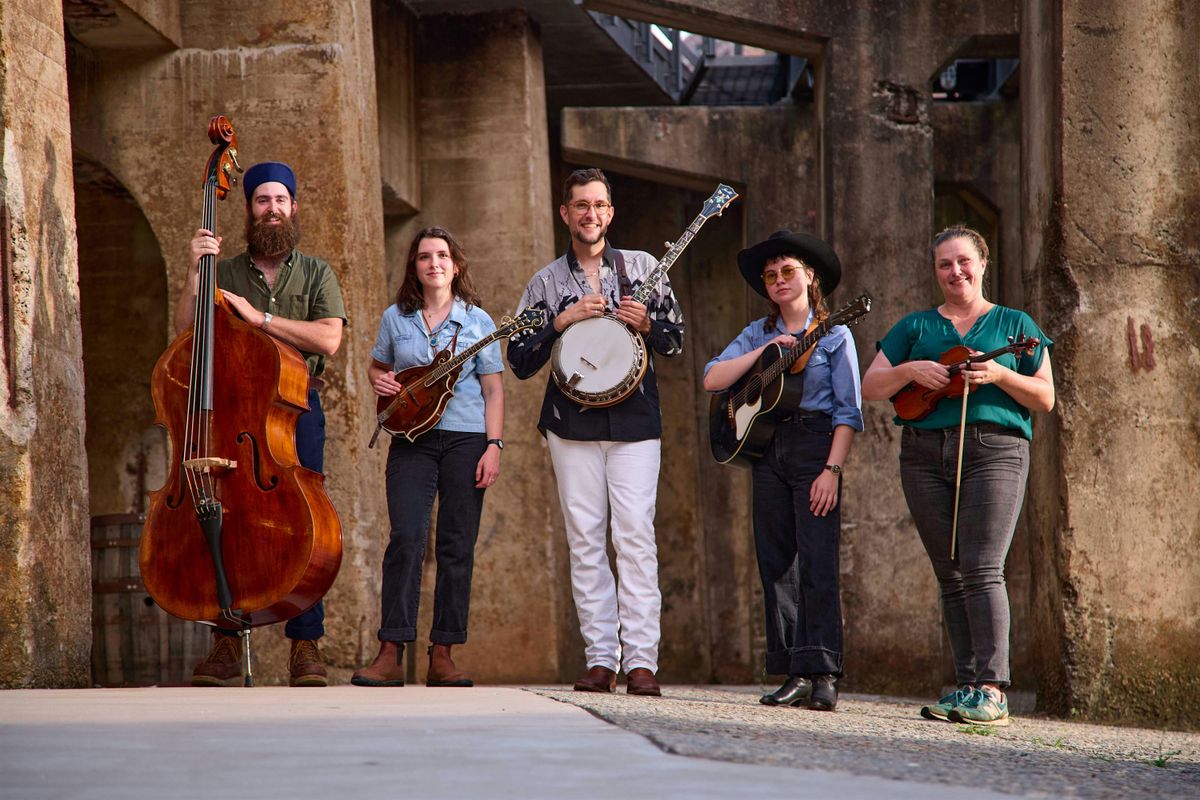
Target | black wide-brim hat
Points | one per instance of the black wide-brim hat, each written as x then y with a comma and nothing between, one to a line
812,251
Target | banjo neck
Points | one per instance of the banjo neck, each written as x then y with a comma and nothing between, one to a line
655,276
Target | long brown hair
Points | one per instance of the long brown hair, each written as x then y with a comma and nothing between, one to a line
411,295
816,298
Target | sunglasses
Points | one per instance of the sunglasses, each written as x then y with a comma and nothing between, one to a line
784,274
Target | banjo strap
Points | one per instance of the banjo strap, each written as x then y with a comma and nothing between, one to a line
624,285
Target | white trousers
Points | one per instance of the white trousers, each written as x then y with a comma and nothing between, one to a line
619,619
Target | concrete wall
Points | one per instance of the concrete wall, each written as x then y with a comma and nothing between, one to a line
45,596
484,176
298,84
1111,180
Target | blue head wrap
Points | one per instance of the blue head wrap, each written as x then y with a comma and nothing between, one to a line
267,172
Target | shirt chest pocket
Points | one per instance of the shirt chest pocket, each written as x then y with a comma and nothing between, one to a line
410,348
819,360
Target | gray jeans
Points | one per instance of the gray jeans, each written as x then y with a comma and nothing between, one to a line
974,597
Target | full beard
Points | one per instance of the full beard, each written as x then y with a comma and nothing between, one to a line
267,240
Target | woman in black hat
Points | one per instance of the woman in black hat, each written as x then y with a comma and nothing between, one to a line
797,482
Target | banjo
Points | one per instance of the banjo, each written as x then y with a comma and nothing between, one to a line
600,361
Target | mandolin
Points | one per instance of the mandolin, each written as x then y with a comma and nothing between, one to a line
428,388
742,418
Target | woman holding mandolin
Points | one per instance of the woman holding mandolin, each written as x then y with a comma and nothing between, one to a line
964,459
436,309
797,481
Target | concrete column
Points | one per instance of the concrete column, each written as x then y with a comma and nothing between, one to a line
484,170
45,592
1111,183
298,83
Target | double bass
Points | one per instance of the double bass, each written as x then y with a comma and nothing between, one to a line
240,534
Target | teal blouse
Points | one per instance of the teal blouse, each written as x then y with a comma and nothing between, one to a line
925,335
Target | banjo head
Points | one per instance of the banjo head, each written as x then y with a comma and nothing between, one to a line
597,361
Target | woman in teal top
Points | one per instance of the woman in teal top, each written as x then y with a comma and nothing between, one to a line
995,461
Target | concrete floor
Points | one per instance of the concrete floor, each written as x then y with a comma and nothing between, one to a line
349,742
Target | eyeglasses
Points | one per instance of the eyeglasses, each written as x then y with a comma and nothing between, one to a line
785,274
581,207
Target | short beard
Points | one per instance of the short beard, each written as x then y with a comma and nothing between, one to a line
581,237
264,240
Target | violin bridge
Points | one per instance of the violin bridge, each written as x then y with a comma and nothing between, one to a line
209,464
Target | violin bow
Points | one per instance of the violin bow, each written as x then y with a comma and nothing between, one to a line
962,435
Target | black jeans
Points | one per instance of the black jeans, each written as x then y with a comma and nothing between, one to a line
440,463
798,552
974,596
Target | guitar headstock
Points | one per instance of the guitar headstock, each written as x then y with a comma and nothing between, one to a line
852,312
529,318
721,198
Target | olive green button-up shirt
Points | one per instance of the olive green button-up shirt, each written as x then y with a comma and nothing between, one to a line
305,289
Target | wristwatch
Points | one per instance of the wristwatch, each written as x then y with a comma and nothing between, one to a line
836,469
267,317
498,442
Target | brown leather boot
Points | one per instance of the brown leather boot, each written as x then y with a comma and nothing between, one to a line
223,664
642,681
304,664
598,679
442,671
386,670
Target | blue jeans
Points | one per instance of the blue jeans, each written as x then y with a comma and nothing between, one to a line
798,552
310,448
973,592
440,463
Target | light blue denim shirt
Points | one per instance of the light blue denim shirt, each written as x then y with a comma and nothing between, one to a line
404,342
831,381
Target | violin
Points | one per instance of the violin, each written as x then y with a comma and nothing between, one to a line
240,534
915,402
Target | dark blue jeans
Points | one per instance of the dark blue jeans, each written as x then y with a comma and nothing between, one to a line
798,552
442,464
310,448
974,596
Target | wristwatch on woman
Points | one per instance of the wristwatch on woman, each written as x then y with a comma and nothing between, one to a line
498,442
836,469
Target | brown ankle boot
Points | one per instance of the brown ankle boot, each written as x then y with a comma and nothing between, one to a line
304,664
386,670
442,671
223,664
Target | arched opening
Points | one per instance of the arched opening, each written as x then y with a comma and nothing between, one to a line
123,302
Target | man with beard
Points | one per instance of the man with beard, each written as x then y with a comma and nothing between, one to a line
295,298
605,459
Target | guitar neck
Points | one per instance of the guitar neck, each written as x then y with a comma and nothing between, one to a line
789,356
655,276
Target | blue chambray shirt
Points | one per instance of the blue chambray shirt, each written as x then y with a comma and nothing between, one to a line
831,381
403,342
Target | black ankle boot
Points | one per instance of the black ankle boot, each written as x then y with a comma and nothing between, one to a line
794,691
824,693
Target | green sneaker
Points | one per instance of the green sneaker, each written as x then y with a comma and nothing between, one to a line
982,708
942,708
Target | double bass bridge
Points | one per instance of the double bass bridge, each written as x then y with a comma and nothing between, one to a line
209,464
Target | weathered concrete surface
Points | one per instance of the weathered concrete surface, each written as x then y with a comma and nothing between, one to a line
887,738
45,597
484,176
135,744
298,85
1111,180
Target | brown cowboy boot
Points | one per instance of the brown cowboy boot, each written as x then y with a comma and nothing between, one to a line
386,670
304,664
598,679
223,664
442,671
642,681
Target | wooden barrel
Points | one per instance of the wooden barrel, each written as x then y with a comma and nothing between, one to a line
134,642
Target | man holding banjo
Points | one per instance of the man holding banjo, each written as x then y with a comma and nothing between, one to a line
601,420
